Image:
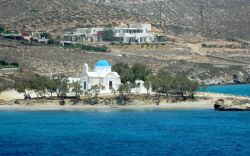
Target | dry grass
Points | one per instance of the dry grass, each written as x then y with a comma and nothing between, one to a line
60,15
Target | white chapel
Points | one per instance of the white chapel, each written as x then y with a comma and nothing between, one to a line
102,75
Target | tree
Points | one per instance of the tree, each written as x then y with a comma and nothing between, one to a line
59,85
179,85
52,85
77,89
184,87
46,35
96,89
125,72
62,86
14,64
108,35
22,85
39,85
51,41
125,89
162,83
140,71
88,93
166,82
147,84
124,93
136,72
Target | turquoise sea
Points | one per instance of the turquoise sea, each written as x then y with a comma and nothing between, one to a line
182,132
122,133
243,89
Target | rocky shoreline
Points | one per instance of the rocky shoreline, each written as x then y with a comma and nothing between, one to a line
236,105
232,108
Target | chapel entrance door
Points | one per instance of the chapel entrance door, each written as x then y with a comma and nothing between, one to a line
110,85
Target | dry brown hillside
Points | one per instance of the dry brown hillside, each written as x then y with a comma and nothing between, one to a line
210,65
60,15
208,60
211,18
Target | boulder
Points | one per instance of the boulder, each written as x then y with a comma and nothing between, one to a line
232,108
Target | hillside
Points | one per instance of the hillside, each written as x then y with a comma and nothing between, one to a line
213,64
60,15
211,18
214,61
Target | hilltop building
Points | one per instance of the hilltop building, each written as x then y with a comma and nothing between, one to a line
102,75
132,33
82,35
135,33
91,34
70,38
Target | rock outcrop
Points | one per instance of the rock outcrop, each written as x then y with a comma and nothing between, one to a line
236,105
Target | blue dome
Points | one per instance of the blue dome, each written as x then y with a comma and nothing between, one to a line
102,63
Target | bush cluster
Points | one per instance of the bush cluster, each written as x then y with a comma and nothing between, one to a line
89,48
177,86
5,64
161,83
2,29
130,74
95,48
42,86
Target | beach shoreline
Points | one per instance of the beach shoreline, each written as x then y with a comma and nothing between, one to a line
8,103
146,107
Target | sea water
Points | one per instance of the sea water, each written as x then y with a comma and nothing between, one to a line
242,90
173,132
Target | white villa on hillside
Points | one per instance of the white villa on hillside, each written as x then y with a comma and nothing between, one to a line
102,75
91,34
82,35
135,33
72,38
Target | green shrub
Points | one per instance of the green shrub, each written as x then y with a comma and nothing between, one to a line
45,35
108,35
10,37
14,64
95,48
24,42
51,41
136,72
3,63
2,29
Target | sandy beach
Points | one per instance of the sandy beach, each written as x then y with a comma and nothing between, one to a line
7,102
163,106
